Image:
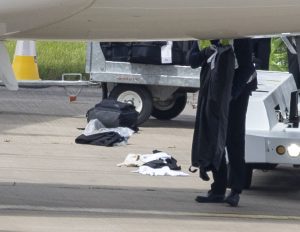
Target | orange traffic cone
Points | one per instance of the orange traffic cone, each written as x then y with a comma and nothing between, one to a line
24,64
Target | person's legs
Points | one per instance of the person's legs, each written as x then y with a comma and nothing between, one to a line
218,187
236,146
293,63
236,140
297,78
294,67
220,178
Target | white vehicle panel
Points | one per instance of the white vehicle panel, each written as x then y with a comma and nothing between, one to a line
264,132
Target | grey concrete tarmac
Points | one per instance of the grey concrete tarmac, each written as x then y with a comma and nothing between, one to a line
49,183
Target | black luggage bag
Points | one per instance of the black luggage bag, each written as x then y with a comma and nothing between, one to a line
147,52
112,114
117,51
180,51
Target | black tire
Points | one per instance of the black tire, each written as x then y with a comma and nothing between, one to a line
142,102
170,109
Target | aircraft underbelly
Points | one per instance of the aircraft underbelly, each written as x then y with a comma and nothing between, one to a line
172,19
17,16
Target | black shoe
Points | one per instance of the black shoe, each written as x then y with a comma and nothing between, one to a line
233,199
210,198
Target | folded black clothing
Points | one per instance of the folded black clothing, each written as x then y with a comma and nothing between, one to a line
159,163
107,139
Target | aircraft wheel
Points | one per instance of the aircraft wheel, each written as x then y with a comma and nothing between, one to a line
137,95
166,110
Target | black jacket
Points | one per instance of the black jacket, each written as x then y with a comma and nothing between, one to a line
218,87
213,105
243,54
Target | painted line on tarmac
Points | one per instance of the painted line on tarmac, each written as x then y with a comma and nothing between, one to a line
144,212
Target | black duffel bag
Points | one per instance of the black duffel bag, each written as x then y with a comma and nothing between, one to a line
112,114
180,51
117,51
146,52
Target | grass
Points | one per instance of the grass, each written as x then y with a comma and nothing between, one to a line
278,57
56,57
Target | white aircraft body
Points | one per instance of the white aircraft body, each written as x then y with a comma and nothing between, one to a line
146,19
120,20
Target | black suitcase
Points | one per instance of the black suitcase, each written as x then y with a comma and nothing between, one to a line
112,114
117,51
146,52
180,51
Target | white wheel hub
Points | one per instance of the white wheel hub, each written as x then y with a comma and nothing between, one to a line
132,98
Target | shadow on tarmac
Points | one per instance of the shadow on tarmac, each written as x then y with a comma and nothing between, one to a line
183,121
278,182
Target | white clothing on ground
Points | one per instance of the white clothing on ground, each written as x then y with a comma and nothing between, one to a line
164,171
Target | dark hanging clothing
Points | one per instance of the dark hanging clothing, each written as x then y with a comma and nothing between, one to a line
235,145
243,54
218,90
213,104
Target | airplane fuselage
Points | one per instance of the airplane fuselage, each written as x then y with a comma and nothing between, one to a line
116,20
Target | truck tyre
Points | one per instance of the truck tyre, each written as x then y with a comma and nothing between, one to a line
166,110
137,95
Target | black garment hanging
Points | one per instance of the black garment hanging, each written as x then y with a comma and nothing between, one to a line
216,80
160,163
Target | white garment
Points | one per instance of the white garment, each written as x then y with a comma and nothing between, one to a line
136,160
92,126
96,127
156,156
132,160
164,171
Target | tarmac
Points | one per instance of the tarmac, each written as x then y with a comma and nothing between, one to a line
49,183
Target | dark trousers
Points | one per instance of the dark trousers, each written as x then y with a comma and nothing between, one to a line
235,146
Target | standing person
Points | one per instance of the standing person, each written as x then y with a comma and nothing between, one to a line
261,53
244,81
293,60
